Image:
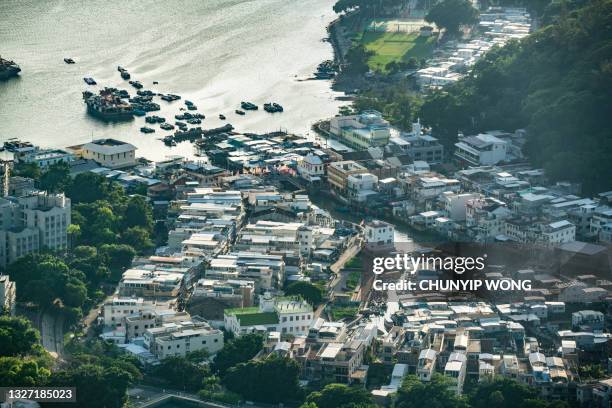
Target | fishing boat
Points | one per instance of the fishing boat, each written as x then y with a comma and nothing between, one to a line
90,81
69,61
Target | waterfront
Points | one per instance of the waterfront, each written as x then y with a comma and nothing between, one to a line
215,53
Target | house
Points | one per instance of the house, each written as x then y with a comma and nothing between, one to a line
43,158
361,186
379,233
311,168
454,204
110,153
481,150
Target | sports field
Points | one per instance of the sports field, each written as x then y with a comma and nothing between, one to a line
395,46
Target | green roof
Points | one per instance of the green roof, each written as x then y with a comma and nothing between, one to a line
242,310
251,316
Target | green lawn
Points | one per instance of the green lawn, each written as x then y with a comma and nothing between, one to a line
395,46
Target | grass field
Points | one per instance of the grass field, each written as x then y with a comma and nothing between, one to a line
395,46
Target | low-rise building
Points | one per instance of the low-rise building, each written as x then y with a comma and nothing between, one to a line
481,150
339,172
110,153
285,315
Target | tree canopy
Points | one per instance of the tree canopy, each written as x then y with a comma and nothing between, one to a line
307,291
452,14
238,350
555,83
271,380
339,396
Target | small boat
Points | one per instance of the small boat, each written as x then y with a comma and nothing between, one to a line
155,83
222,117
192,107
194,121
120,68
125,75
248,106
239,112
90,81
69,61
166,126
136,84
272,107
145,129
139,112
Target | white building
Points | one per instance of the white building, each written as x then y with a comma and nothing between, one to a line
455,369
481,150
360,186
368,129
590,318
454,204
379,233
110,153
311,168
287,316
42,157
32,222
179,339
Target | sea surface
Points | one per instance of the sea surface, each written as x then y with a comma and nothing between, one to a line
215,53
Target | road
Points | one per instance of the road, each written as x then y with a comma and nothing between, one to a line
339,280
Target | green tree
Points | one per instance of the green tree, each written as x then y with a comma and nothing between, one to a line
271,380
182,373
16,371
238,350
451,14
508,393
56,178
357,59
138,213
306,290
17,337
413,393
138,238
118,258
29,170
339,396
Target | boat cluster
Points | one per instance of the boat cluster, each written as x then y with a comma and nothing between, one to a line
326,70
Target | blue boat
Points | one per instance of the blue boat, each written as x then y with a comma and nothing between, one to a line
138,112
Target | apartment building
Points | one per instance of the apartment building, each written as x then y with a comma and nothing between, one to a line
267,271
32,222
368,129
181,338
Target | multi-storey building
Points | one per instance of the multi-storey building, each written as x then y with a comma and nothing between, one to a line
35,221
362,131
339,172
7,295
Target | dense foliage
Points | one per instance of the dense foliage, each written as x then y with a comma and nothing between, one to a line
17,337
309,292
339,396
236,351
271,380
451,14
556,83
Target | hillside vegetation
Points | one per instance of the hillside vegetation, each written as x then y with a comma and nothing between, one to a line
556,83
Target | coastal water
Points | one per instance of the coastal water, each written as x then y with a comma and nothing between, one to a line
215,53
